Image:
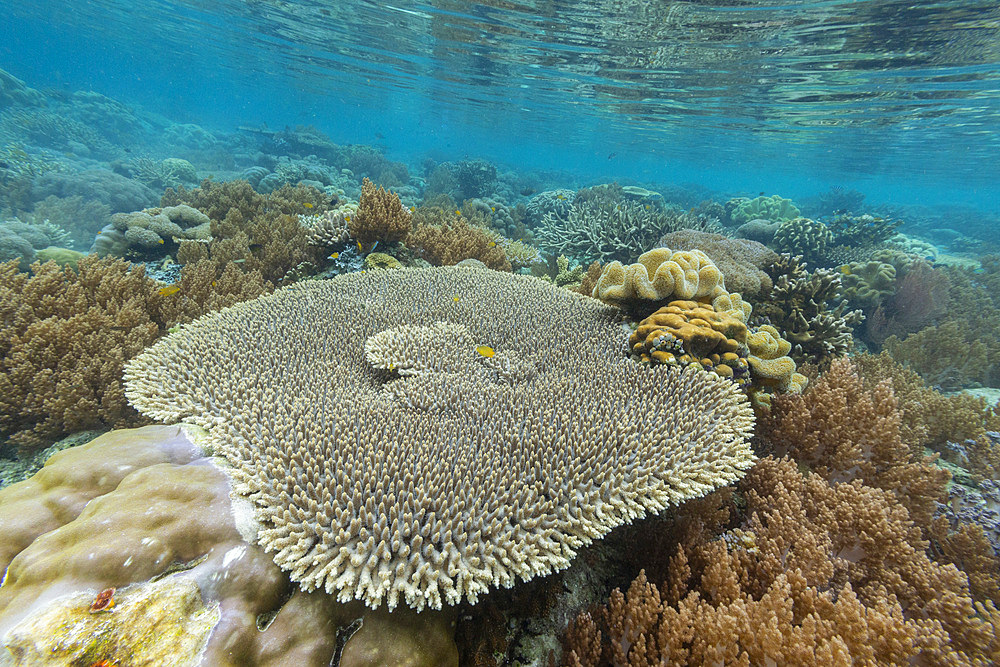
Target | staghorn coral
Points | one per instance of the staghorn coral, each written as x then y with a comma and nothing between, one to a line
603,227
844,431
799,306
741,261
817,573
455,240
345,458
194,588
380,217
773,208
806,238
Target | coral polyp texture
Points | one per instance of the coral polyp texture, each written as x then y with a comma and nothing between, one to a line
518,432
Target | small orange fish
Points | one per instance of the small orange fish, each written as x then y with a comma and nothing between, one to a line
334,255
169,290
458,213
485,351
308,205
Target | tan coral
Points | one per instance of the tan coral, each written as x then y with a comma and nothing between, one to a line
742,261
660,274
380,217
770,363
439,486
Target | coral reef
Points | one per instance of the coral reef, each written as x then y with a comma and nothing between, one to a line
816,573
21,241
807,308
454,240
770,365
65,336
380,218
686,332
131,550
773,208
153,228
602,230
867,284
465,499
741,261
862,231
948,355
805,238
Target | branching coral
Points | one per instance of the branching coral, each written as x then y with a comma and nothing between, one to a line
807,308
803,237
947,356
380,218
64,339
454,240
844,431
817,573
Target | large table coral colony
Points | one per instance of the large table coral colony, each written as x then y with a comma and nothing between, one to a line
421,439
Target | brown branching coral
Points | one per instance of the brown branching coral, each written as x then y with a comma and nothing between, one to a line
844,431
380,217
817,573
263,233
453,240
426,435
64,337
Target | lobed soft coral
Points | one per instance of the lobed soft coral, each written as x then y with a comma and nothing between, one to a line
742,262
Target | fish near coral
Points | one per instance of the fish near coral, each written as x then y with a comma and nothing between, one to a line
104,601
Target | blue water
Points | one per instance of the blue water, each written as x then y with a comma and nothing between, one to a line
896,99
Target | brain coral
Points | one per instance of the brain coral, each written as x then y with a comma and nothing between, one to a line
477,466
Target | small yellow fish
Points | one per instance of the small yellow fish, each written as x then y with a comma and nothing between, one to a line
412,209
485,351
560,196
160,241
347,218
361,248
308,205
493,208
99,231
492,244
458,213
334,255
846,269
455,299
213,283
647,207
169,290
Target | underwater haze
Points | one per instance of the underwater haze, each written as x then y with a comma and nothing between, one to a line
896,99
340,333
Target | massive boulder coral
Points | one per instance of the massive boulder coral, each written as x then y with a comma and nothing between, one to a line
154,228
131,549
803,237
773,208
514,438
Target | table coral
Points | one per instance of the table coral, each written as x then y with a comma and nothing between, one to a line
476,487
147,513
